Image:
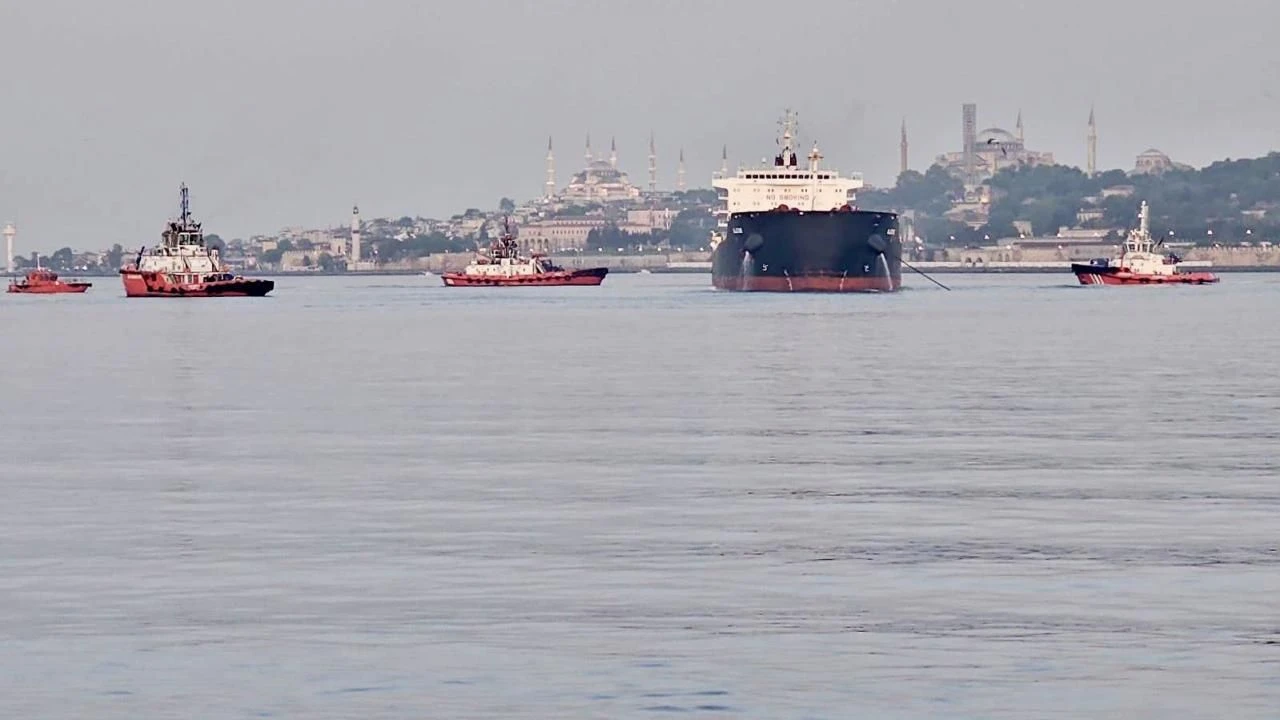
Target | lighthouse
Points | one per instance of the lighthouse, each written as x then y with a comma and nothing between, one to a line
355,235
9,233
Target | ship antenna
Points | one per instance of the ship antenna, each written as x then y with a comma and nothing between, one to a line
186,205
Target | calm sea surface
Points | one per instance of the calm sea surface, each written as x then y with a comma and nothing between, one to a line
383,498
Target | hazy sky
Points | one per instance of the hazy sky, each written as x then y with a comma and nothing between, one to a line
285,112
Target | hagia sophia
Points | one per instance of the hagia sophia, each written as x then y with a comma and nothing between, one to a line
986,152
991,150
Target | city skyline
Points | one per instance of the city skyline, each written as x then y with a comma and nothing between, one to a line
293,133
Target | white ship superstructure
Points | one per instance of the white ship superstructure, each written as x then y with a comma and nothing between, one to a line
182,253
1140,254
504,260
766,186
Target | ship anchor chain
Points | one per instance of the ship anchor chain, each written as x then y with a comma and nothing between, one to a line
881,247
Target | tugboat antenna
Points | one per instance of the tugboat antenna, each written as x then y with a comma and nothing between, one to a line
186,212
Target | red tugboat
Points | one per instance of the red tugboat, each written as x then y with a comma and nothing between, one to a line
45,282
184,267
1140,264
503,265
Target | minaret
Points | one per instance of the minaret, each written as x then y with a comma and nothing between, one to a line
588,150
680,172
549,187
355,233
969,134
9,233
613,152
1019,133
1092,168
653,165
902,149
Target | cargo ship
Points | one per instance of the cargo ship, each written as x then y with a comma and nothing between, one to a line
1140,263
503,266
787,228
183,266
42,281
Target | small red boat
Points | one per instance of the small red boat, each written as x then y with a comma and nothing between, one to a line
45,282
183,266
503,266
1140,264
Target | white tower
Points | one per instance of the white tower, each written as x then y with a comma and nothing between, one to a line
653,165
1093,146
1021,135
355,234
9,233
549,187
588,150
680,172
613,152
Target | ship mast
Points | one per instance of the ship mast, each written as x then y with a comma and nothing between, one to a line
1140,239
787,156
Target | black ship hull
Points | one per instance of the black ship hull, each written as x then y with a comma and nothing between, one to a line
809,251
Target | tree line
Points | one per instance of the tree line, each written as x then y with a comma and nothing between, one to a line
1227,201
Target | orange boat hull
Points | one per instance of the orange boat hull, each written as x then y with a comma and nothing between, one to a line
50,289
151,284
592,276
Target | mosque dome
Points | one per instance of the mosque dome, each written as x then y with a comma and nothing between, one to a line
600,171
991,136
